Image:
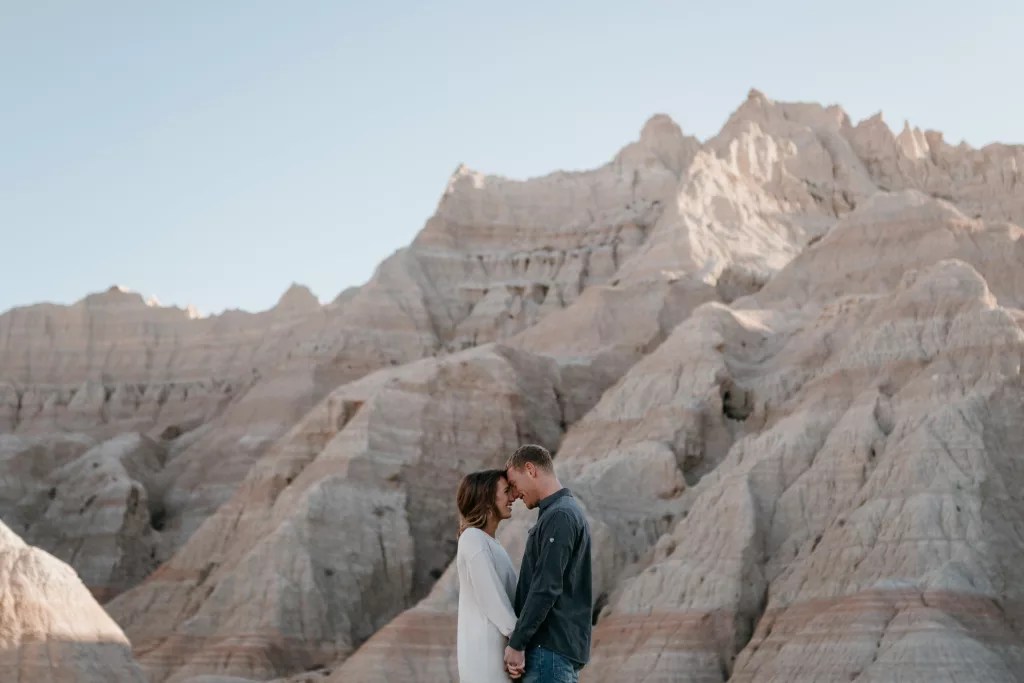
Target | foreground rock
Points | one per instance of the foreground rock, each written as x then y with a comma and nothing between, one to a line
52,629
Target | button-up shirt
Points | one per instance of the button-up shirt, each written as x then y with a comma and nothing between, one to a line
553,597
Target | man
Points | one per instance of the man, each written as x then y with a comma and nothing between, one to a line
551,641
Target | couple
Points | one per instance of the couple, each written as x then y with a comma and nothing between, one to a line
545,617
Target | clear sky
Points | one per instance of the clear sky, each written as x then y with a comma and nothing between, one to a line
211,152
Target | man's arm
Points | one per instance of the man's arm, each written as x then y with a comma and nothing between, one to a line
556,538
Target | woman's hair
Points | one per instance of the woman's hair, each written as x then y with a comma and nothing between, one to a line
476,496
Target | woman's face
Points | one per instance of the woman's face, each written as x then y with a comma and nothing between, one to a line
503,499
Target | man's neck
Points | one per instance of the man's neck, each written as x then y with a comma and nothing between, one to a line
550,488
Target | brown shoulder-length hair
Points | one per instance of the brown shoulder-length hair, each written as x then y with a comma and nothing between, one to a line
476,498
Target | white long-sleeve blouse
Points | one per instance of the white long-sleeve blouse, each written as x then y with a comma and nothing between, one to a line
487,587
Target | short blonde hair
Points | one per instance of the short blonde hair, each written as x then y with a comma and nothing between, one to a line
538,455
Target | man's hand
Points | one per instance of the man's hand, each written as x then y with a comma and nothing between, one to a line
515,662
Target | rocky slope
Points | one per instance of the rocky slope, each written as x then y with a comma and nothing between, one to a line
51,629
781,370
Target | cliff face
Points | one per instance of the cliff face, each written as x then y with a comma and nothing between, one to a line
781,370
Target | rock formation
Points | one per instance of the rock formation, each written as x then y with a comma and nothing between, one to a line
99,513
781,369
848,421
51,629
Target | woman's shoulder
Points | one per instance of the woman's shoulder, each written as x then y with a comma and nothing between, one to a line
472,539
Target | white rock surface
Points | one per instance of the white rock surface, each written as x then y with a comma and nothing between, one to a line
51,629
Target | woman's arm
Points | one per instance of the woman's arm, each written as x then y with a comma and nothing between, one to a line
490,593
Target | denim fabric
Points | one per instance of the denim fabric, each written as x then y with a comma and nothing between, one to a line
545,666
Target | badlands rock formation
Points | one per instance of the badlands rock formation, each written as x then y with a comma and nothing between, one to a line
781,369
51,629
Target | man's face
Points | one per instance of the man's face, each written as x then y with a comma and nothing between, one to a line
523,482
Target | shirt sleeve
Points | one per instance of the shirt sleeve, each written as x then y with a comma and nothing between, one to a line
489,592
556,541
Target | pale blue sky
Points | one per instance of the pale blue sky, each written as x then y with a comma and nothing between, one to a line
211,152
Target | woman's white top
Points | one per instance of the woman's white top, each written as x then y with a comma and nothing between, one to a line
487,587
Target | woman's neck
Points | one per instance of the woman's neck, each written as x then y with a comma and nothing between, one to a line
492,526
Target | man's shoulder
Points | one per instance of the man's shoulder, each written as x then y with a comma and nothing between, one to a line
568,503
566,511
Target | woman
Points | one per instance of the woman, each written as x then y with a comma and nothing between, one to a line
487,579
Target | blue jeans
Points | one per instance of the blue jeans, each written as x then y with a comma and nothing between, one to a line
545,666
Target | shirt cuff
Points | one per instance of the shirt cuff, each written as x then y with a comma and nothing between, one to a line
515,642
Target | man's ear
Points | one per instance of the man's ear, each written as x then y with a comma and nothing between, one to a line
531,469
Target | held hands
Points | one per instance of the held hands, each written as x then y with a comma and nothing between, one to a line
515,662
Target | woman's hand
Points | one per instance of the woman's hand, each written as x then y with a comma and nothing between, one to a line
515,662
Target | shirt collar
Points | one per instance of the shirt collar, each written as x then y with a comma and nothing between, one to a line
547,502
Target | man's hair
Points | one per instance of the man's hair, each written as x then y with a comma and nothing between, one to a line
538,455
476,498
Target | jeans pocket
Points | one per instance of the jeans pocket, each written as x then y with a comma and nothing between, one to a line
559,669
545,666
537,666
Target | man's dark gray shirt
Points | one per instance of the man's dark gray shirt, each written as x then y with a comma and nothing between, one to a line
553,597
